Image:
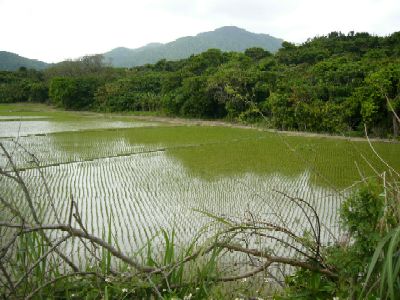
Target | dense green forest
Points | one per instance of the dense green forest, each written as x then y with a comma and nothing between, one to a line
334,83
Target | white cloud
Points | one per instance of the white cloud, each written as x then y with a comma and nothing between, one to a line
55,30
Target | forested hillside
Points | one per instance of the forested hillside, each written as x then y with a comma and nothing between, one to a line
228,38
12,62
334,83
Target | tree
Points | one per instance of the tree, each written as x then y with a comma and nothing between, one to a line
381,96
73,93
257,53
140,92
86,65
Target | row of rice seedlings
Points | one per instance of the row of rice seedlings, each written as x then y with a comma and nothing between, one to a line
52,150
324,201
332,160
289,211
28,247
147,192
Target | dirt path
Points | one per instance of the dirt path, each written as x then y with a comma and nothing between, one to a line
195,122
199,122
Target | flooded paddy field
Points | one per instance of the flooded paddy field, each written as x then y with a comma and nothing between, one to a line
135,177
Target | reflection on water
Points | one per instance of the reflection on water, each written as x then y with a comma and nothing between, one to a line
210,152
24,118
29,127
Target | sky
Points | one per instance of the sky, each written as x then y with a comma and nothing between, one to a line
55,30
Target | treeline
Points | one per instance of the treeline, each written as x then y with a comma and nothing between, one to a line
334,83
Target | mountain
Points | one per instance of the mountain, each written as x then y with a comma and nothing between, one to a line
228,38
11,62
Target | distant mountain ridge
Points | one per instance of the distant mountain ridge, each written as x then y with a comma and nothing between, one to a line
228,38
11,62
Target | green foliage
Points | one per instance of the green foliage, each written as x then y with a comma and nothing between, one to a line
386,262
281,110
380,96
257,53
137,93
197,103
73,93
334,83
38,92
362,215
307,285
14,92
23,85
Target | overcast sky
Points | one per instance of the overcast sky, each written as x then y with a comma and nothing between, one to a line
54,30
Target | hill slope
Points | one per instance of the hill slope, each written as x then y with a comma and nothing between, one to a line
10,62
228,38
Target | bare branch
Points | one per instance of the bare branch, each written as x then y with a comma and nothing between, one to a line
8,278
280,259
80,233
392,109
12,209
317,231
377,154
26,274
6,247
245,275
28,198
48,192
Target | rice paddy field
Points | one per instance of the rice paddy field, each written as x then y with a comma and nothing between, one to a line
135,177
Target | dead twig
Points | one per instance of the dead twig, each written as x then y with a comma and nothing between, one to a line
28,198
40,259
279,259
80,233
